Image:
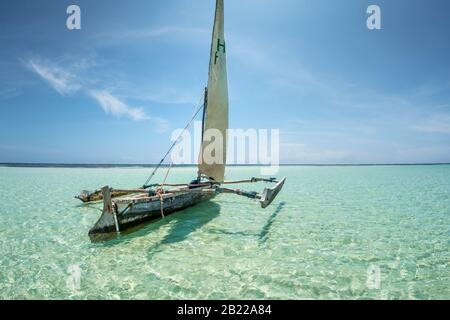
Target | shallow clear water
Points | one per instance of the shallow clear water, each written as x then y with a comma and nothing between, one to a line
333,232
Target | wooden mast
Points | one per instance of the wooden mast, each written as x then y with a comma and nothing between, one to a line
205,105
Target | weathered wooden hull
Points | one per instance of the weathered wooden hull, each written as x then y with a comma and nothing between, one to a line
130,213
97,195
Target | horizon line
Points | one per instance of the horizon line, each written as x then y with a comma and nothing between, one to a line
109,165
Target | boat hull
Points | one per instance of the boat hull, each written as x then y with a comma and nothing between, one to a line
131,213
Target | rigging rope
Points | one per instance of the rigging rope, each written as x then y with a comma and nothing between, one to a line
167,174
160,193
145,186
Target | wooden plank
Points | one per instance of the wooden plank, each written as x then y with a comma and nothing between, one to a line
107,203
205,184
239,192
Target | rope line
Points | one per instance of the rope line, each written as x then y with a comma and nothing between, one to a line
145,186
167,174
160,193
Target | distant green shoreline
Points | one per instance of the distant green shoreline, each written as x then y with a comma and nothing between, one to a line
81,165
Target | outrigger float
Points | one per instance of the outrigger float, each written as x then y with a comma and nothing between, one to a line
126,208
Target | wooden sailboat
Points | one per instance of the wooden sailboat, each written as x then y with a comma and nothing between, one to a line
123,209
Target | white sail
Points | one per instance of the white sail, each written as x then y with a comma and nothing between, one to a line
213,149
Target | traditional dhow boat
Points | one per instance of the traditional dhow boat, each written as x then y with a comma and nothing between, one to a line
123,209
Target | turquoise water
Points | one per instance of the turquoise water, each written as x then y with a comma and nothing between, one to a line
377,232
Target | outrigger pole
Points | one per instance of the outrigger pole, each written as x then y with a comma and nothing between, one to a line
204,184
265,198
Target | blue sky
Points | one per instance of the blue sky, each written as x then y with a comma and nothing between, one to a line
113,91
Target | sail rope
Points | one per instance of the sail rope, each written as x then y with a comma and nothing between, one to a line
178,139
160,193
167,174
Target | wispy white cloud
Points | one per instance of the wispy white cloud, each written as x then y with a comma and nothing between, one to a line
438,123
303,153
162,125
9,93
163,32
286,71
166,95
59,79
113,105
360,115
65,82
29,148
282,67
